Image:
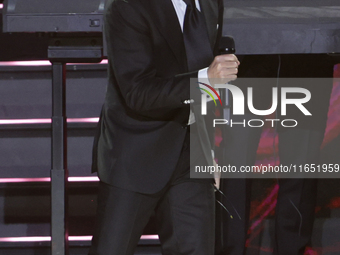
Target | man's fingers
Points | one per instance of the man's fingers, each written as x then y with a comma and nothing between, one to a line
225,72
232,77
226,58
224,66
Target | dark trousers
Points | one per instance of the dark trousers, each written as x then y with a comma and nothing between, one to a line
184,211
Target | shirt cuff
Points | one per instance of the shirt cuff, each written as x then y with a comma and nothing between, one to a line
203,76
203,79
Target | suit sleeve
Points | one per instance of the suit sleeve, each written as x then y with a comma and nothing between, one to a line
130,50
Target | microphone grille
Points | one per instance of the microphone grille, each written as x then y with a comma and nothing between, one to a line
227,45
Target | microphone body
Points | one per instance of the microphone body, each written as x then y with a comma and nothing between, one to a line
226,46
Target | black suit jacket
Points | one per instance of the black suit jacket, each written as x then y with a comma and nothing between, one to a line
142,124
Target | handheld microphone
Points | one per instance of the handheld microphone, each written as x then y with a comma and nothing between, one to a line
226,46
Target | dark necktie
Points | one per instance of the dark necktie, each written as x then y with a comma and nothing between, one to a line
199,55
196,39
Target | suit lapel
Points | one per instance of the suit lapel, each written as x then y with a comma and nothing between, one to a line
165,18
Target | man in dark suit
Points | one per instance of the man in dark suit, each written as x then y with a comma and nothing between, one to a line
142,146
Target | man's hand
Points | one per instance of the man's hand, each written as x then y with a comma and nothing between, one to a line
223,69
